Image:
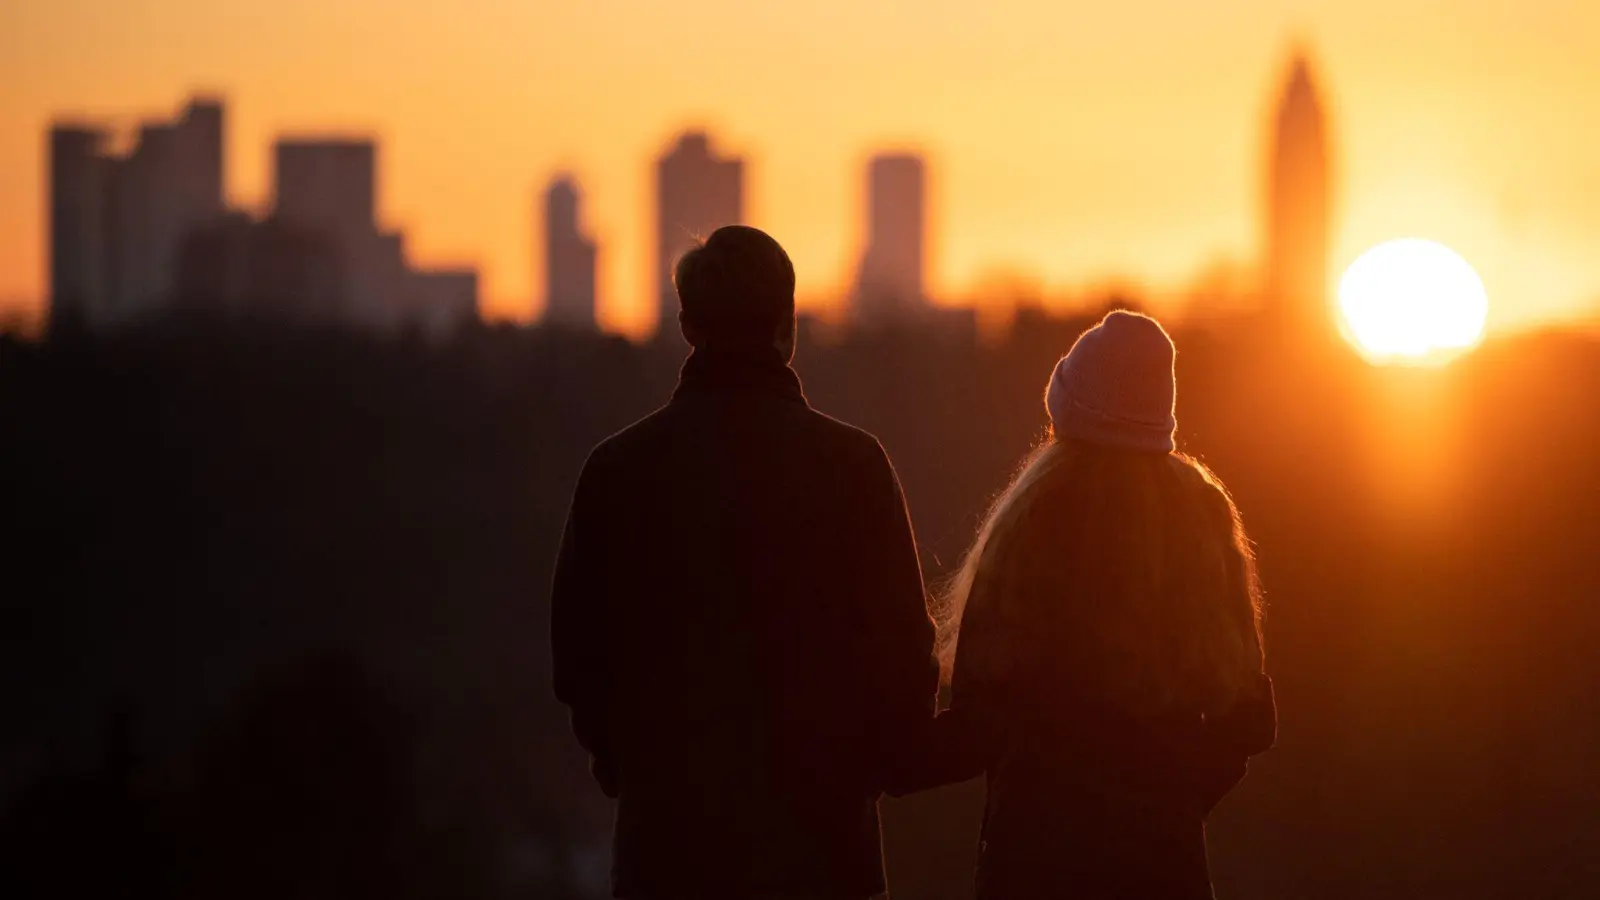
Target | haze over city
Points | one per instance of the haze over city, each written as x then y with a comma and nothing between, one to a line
1068,148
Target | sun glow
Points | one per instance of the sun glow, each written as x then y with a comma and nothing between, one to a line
1412,302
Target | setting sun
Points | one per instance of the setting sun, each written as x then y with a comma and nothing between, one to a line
1412,302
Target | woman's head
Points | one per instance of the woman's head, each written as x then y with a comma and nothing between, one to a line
1116,386
1116,567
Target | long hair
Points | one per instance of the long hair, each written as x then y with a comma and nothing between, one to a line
1122,576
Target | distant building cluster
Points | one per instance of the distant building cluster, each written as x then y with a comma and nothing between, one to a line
146,232
149,233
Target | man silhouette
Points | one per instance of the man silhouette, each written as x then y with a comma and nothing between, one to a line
738,624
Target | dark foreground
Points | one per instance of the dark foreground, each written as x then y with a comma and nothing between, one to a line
276,605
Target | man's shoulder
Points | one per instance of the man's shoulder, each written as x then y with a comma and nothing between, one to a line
633,439
848,438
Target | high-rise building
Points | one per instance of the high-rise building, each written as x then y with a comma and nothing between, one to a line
697,192
1298,208
79,273
889,283
569,260
144,221
198,181
330,185
120,223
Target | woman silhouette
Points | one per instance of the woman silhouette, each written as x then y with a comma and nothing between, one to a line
1109,657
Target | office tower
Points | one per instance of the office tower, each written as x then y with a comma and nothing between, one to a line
199,179
697,192
569,259
79,275
327,183
145,226
139,207
889,283
330,185
1297,220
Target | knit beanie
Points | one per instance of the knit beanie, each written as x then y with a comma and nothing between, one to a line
1116,386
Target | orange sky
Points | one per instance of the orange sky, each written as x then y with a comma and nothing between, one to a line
1075,143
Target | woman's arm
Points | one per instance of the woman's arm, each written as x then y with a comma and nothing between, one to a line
1228,741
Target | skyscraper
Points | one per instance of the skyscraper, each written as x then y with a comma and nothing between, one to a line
330,185
199,180
118,223
697,192
144,221
79,272
1297,220
569,259
889,283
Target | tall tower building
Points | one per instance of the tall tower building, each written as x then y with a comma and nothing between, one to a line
79,266
697,192
329,185
1298,210
145,226
889,284
200,139
569,259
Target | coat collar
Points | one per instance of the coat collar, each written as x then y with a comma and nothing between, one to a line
744,371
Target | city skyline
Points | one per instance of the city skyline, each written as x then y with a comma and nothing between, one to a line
135,234
1075,167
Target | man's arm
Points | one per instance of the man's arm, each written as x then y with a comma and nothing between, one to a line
581,623
901,637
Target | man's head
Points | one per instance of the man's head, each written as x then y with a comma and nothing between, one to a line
737,288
